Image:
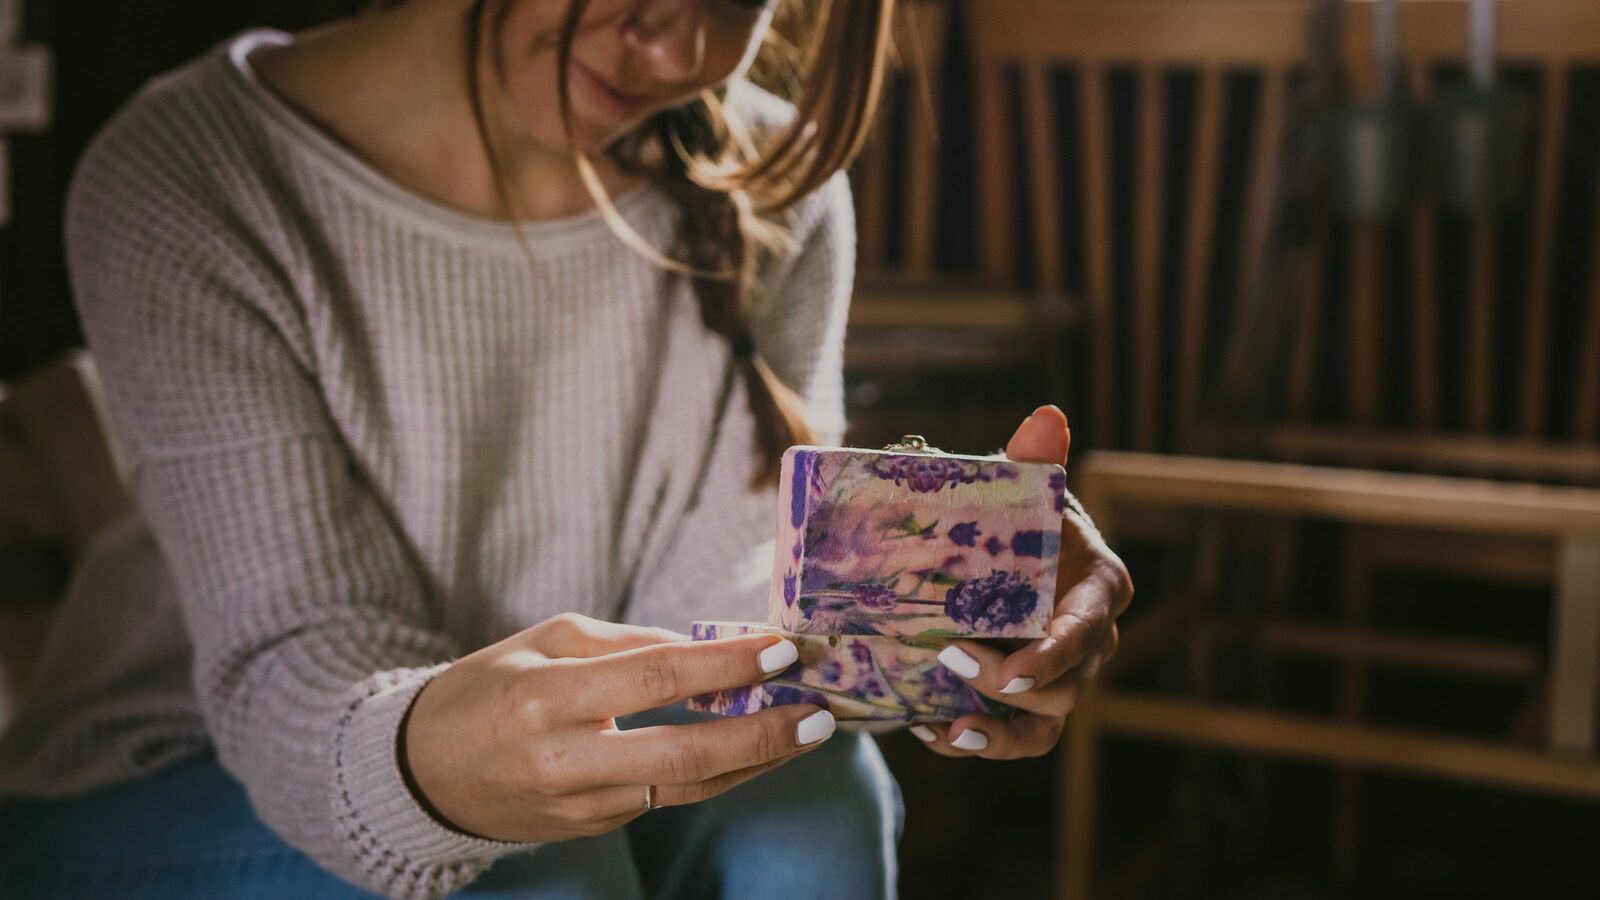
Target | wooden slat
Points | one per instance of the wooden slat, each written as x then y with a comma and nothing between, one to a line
1310,270
979,312
1586,415
1541,249
1048,249
1042,160
1372,747
1267,140
874,189
1364,343
1452,656
1078,798
1363,361
1351,647
1191,369
1478,333
868,355
1423,501
1424,283
1149,140
994,181
1532,458
1270,32
922,193
922,156
1522,560
1048,221
1095,129
1133,30
1575,663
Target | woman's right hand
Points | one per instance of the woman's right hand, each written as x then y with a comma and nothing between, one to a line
518,741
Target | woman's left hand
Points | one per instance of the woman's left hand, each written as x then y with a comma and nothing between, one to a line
1043,679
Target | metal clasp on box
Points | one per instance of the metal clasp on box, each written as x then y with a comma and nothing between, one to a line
912,443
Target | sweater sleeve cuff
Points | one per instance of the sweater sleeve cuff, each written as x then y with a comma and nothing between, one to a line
387,829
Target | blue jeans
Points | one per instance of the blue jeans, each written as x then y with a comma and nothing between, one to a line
822,826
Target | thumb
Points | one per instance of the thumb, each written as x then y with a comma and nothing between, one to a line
1042,437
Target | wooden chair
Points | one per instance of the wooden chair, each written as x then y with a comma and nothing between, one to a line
915,313
60,484
1162,274
1036,40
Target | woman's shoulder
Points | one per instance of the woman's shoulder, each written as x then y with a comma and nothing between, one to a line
183,140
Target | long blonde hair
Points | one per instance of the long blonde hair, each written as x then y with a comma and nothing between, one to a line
730,191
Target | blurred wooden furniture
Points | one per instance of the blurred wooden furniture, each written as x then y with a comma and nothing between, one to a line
1557,526
60,484
1124,271
914,313
1174,210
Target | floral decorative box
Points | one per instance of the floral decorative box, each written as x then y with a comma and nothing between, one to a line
861,678
912,542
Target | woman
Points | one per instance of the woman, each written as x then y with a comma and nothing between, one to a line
456,328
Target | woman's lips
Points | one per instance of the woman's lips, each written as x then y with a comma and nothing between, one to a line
614,103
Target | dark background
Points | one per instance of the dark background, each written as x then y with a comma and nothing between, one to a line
1183,823
103,52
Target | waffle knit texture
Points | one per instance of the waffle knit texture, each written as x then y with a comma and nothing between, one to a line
366,437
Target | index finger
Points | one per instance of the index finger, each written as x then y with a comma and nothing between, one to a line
617,684
698,751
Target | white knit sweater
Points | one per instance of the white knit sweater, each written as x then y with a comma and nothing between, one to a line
365,438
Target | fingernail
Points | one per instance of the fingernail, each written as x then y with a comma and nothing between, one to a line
778,657
924,733
1017,685
970,740
814,727
958,661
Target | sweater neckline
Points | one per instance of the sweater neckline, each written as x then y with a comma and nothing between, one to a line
634,204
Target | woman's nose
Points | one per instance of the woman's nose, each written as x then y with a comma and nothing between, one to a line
669,36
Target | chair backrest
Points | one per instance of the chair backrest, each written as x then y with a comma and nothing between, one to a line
897,183
1150,135
61,479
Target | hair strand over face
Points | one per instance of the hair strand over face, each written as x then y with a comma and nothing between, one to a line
731,194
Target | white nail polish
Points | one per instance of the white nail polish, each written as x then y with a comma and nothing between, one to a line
778,657
1017,685
959,661
971,740
814,727
924,734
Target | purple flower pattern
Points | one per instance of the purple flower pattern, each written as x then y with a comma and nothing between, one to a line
1036,543
874,597
923,474
872,677
991,603
872,543
1058,489
964,534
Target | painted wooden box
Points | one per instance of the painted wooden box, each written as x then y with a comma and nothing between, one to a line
916,544
859,678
